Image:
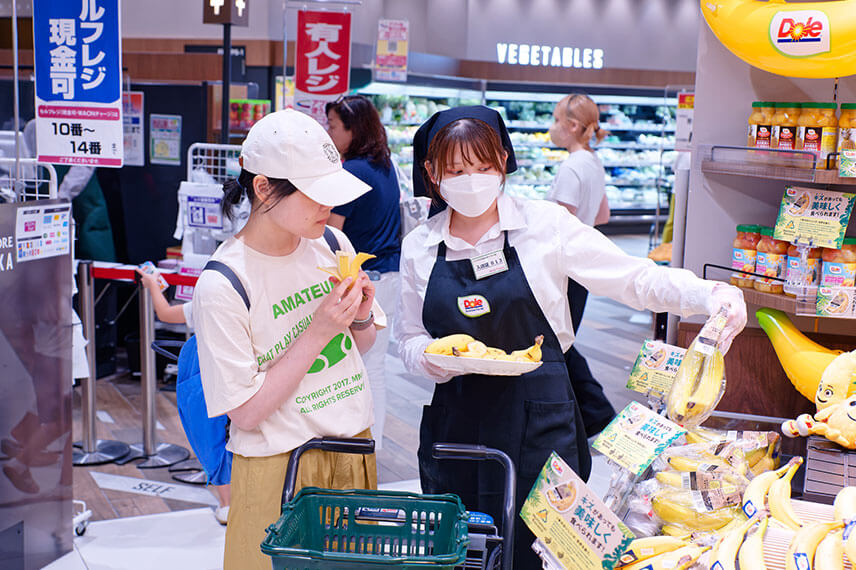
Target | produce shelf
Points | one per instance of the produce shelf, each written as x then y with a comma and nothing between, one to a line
788,165
771,300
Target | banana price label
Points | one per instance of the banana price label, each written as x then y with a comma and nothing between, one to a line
815,217
636,437
655,368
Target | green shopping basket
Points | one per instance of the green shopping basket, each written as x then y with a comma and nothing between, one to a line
355,529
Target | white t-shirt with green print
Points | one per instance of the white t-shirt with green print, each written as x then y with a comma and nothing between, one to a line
236,348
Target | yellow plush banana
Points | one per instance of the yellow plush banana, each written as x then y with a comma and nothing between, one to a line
679,559
531,354
779,499
800,554
648,547
726,554
837,382
844,505
830,552
347,265
445,344
756,492
807,39
751,555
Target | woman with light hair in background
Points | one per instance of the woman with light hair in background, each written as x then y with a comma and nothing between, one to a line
579,186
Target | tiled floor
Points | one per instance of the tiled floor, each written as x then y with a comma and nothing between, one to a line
136,531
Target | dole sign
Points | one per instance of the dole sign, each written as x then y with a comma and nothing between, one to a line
800,33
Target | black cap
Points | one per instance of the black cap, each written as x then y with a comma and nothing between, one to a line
423,137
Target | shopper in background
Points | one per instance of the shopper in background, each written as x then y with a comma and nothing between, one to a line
579,187
191,413
372,222
270,358
541,245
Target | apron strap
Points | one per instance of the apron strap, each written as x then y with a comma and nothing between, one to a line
441,247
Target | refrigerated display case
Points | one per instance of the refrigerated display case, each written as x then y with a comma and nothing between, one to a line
638,153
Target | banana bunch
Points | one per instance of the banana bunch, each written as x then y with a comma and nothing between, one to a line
700,381
771,491
679,558
761,448
347,265
648,547
677,507
465,346
816,545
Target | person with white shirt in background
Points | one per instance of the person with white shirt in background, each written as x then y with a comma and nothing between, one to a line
579,186
279,345
538,245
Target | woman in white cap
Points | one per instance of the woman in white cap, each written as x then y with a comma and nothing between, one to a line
279,344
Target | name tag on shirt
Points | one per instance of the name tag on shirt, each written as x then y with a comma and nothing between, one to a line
489,264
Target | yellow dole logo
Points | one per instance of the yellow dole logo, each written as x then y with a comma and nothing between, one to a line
809,39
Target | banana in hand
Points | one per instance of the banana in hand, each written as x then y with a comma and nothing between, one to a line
447,344
347,265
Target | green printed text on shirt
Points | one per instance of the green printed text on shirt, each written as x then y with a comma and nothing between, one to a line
294,300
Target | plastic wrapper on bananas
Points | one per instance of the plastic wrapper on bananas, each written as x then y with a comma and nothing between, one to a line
706,465
700,381
761,448
697,510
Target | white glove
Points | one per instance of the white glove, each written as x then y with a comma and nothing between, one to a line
731,299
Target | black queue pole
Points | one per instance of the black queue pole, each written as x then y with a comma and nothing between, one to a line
227,83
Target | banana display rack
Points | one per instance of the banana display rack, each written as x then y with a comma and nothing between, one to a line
355,529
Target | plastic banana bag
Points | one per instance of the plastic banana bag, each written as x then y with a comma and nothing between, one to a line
700,381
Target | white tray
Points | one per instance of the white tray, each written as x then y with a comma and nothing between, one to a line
464,365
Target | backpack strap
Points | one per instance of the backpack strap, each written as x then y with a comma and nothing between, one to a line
332,241
227,272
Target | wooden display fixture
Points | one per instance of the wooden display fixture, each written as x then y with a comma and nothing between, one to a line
771,300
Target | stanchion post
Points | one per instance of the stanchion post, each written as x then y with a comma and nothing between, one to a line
147,370
90,450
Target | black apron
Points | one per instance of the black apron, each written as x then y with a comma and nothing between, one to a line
595,407
526,416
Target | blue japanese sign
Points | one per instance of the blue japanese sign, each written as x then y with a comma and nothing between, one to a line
78,61
78,50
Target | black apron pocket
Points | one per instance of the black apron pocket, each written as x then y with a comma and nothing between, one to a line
550,426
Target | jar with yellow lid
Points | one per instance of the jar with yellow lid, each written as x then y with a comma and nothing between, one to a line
839,265
847,127
817,130
809,276
785,122
771,261
761,124
743,255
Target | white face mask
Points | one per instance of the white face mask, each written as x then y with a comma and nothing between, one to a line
471,194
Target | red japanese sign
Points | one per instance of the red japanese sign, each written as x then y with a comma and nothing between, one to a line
323,59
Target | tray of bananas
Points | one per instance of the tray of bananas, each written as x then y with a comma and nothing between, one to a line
463,354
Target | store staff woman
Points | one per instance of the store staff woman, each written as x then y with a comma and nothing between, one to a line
542,245
283,360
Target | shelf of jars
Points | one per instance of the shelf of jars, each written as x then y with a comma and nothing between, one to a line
788,165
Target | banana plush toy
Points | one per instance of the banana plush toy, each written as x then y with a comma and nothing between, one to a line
805,39
836,423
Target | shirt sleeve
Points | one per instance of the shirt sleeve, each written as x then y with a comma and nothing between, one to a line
230,373
589,257
409,332
355,168
187,309
75,181
567,187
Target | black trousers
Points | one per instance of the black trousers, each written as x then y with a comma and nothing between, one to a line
596,410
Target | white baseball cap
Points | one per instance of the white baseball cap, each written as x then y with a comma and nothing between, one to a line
292,145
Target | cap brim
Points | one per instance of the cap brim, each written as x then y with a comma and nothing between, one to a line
332,189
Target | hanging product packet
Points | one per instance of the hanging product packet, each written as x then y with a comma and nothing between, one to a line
700,381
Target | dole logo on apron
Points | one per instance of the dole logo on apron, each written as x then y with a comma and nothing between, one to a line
473,306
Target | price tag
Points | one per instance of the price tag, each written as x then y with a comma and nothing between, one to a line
572,522
636,437
817,215
655,368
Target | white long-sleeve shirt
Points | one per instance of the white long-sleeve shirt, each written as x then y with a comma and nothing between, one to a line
552,245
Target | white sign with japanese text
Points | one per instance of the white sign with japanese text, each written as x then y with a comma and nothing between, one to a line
78,60
322,62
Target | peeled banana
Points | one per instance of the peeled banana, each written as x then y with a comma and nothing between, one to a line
466,346
446,344
347,265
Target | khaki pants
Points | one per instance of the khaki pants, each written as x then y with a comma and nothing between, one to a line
257,494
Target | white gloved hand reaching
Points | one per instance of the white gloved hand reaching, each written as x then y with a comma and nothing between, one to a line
730,299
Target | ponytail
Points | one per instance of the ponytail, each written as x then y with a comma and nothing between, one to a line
235,189
581,108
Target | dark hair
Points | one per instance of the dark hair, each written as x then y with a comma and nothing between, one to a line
359,116
235,188
473,137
